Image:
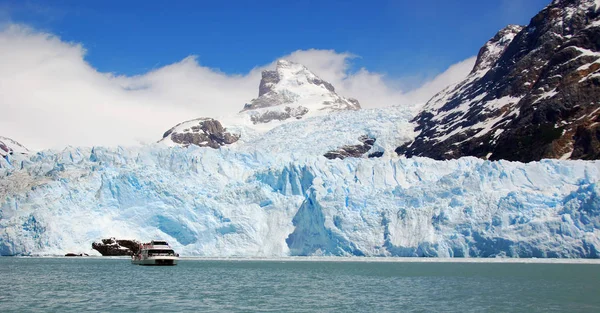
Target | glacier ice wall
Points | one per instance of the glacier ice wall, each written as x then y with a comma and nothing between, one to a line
226,203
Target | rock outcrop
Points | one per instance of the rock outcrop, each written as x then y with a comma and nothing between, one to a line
116,247
354,151
534,93
203,132
9,147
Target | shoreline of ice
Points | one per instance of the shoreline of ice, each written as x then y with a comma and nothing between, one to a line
347,259
402,260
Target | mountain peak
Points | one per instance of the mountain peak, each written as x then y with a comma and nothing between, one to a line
282,63
289,73
292,90
579,4
495,47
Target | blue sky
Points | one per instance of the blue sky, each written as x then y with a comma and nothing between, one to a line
399,38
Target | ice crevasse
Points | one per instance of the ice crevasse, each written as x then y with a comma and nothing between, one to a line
230,203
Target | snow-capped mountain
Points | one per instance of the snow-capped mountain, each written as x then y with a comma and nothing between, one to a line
292,91
533,93
9,146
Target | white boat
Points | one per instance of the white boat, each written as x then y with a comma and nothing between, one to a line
156,252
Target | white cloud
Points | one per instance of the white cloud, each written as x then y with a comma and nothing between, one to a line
452,75
374,89
50,97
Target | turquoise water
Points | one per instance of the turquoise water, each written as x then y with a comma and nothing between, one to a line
114,285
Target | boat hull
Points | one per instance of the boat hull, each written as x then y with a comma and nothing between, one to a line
156,261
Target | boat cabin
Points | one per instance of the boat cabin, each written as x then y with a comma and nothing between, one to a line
161,252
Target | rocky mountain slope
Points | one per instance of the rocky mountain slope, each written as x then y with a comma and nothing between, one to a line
534,93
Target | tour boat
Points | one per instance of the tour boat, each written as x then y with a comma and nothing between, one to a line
156,252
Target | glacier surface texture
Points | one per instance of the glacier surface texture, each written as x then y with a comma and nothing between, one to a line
229,202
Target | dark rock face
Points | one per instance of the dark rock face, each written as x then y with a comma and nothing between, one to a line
270,99
355,151
268,80
203,132
4,149
116,247
534,93
327,85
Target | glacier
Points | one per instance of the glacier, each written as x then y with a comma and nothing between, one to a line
273,193
253,203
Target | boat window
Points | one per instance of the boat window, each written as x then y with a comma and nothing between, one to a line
155,252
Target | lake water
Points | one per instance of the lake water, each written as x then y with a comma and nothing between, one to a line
115,285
